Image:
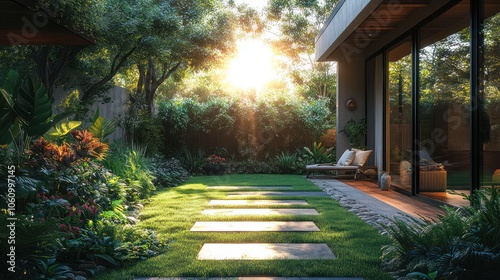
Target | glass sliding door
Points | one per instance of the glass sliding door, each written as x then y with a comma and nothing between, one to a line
399,86
444,103
490,110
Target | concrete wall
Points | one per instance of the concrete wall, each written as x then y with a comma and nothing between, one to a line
350,84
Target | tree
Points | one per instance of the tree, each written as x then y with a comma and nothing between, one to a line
201,38
298,22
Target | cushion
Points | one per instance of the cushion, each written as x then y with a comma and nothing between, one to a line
361,157
424,155
346,158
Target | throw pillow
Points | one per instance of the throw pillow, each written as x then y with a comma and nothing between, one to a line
346,158
361,157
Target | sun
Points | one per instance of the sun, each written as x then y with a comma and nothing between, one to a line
252,67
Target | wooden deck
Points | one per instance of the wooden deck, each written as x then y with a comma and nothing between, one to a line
426,205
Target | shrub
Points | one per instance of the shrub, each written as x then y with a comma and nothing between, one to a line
167,172
319,154
287,163
66,197
133,166
251,167
461,244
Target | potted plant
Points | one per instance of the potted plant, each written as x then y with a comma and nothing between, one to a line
354,131
215,165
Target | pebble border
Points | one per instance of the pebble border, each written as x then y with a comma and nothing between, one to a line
362,211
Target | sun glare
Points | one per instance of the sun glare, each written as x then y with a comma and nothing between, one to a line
252,67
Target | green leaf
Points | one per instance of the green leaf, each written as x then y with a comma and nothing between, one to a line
12,83
62,129
102,128
33,107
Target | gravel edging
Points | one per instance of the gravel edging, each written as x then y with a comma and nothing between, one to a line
371,210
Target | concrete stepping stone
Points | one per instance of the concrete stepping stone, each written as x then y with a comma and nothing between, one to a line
254,226
257,202
271,193
265,251
263,188
232,212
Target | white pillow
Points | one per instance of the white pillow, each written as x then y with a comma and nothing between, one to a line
361,157
346,158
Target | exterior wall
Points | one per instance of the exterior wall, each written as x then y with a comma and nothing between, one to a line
342,22
350,84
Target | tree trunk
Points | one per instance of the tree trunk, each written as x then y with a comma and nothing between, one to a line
118,63
151,81
49,70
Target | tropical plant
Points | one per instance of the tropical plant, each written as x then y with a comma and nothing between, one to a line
319,153
461,244
286,162
101,128
193,161
25,110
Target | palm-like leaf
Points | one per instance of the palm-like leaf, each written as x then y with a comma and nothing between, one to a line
25,107
34,108
102,128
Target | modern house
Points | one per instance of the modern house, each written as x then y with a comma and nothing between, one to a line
426,76
23,23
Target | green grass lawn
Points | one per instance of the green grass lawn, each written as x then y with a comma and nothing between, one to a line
172,212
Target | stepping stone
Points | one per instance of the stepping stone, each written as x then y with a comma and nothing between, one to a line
265,251
230,212
254,226
263,188
270,193
257,202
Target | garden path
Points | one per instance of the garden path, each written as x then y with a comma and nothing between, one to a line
262,251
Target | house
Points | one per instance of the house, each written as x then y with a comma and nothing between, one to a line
426,76
22,23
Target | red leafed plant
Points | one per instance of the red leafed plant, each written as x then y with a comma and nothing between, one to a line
53,156
85,145
216,160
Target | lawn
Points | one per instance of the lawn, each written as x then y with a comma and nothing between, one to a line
172,212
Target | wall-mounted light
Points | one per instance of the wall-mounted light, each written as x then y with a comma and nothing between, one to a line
351,104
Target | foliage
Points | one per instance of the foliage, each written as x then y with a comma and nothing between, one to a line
142,127
247,129
461,244
354,131
133,166
101,128
250,167
25,108
287,163
193,161
66,197
319,154
168,172
298,23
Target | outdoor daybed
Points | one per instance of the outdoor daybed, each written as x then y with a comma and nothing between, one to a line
433,176
353,161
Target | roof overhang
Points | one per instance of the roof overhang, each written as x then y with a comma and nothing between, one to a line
19,25
355,25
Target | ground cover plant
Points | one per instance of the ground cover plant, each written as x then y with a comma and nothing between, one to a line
172,212
462,244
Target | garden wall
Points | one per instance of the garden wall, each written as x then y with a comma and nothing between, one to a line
110,111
